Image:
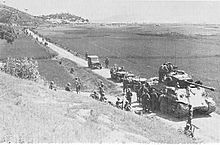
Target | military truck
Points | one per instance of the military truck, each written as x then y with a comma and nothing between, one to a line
119,74
93,62
179,90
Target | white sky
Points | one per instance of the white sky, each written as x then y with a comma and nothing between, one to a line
127,10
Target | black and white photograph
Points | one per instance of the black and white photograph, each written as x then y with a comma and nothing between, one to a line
109,71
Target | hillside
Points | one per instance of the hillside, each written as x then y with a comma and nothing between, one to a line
17,16
31,113
64,18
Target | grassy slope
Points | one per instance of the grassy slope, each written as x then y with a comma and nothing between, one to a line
24,47
18,17
197,49
31,113
60,74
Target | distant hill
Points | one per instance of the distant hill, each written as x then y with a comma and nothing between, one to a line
18,17
65,18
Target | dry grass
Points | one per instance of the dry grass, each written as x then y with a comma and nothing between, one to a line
24,47
30,113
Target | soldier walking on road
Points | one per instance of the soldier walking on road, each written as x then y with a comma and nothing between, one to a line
128,95
106,62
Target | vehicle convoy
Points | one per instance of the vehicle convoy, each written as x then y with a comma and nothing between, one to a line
178,90
93,62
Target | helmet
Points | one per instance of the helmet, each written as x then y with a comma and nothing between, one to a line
68,84
52,82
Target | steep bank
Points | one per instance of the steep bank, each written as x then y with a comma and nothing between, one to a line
31,113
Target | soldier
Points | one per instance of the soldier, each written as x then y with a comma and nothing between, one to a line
78,85
71,70
169,66
95,95
189,121
163,70
102,91
67,88
125,82
118,103
128,95
52,86
146,101
86,55
106,62
154,100
127,106
144,88
138,87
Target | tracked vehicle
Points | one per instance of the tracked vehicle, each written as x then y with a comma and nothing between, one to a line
178,90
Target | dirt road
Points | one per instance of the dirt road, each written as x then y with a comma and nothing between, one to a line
209,128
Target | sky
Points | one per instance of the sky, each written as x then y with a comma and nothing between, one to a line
126,10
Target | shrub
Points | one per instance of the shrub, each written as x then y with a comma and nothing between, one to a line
25,68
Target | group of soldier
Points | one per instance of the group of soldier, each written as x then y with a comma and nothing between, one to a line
165,69
68,88
101,93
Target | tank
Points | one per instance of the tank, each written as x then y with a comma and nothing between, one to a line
179,90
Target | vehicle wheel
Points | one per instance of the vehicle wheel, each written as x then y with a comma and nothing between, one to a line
211,106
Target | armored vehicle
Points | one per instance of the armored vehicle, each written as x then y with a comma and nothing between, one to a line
179,90
93,62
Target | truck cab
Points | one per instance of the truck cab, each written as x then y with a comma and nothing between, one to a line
93,62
